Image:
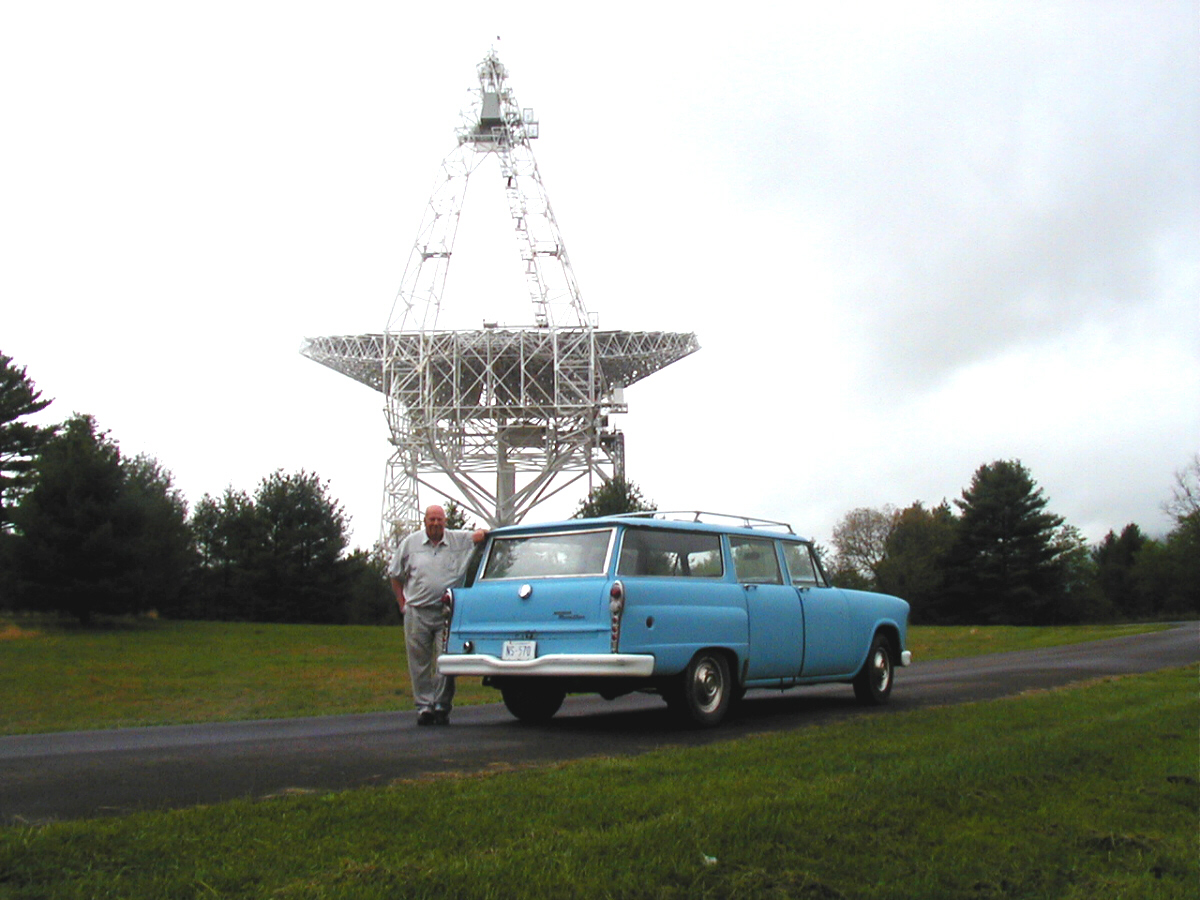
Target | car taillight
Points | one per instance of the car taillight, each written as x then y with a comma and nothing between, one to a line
616,608
448,603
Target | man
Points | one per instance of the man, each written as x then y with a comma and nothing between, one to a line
425,564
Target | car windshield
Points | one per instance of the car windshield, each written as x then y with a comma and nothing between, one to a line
549,555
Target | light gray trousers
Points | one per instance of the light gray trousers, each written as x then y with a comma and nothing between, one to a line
423,640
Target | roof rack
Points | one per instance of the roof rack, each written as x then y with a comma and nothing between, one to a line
703,516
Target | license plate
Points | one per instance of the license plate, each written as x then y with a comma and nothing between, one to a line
518,650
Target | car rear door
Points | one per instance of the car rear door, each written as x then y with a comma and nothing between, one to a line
773,608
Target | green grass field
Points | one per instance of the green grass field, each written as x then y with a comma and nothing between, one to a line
152,672
1081,793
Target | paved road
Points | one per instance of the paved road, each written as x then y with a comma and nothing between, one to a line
85,774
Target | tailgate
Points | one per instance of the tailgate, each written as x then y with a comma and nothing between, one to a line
563,615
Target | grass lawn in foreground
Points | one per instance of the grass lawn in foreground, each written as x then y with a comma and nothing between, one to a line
154,672
1080,793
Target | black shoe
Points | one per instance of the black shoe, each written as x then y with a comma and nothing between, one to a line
427,717
441,717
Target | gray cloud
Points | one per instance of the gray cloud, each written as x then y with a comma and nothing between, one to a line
995,182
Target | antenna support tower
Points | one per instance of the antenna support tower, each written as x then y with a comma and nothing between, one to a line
508,416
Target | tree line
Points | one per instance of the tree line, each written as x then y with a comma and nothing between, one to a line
999,556
87,530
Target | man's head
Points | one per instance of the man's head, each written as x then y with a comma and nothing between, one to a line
435,523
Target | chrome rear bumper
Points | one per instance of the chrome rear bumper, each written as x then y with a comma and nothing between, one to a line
629,665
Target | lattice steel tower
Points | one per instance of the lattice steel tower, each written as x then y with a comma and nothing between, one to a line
509,416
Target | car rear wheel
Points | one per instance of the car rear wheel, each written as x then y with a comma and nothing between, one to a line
532,702
873,683
704,691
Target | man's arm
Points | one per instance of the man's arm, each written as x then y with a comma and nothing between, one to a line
398,590
397,572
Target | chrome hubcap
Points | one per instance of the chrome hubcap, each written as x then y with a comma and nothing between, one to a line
707,687
883,671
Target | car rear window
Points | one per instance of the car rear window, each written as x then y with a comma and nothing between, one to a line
679,554
548,555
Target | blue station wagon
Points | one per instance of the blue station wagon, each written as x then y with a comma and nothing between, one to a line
672,603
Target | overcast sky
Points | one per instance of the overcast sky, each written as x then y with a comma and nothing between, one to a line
911,238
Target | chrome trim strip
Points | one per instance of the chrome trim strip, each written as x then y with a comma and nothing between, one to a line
633,665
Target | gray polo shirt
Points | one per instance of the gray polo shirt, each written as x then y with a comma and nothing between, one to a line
426,569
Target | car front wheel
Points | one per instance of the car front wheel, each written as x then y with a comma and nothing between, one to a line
704,691
873,683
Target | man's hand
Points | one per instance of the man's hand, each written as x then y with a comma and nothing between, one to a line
479,536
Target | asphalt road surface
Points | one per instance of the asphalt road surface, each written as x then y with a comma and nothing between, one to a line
48,777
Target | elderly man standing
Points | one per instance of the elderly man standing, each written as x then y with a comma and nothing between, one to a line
425,564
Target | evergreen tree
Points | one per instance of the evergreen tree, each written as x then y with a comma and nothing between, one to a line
370,600
305,532
20,442
1005,567
456,517
613,498
1079,598
229,539
1168,573
165,552
1115,559
276,556
914,563
97,533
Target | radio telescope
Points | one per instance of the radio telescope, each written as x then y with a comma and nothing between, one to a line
507,416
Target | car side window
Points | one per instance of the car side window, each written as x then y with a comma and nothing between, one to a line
678,554
800,565
754,560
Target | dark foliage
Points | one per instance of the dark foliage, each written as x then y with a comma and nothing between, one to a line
612,498
914,566
1116,559
280,557
20,442
456,517
1004,566
97,533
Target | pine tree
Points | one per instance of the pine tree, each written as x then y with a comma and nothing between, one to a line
613,498
97,533
276,556
20,442
1004,566
1115,559
914,564
305,532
